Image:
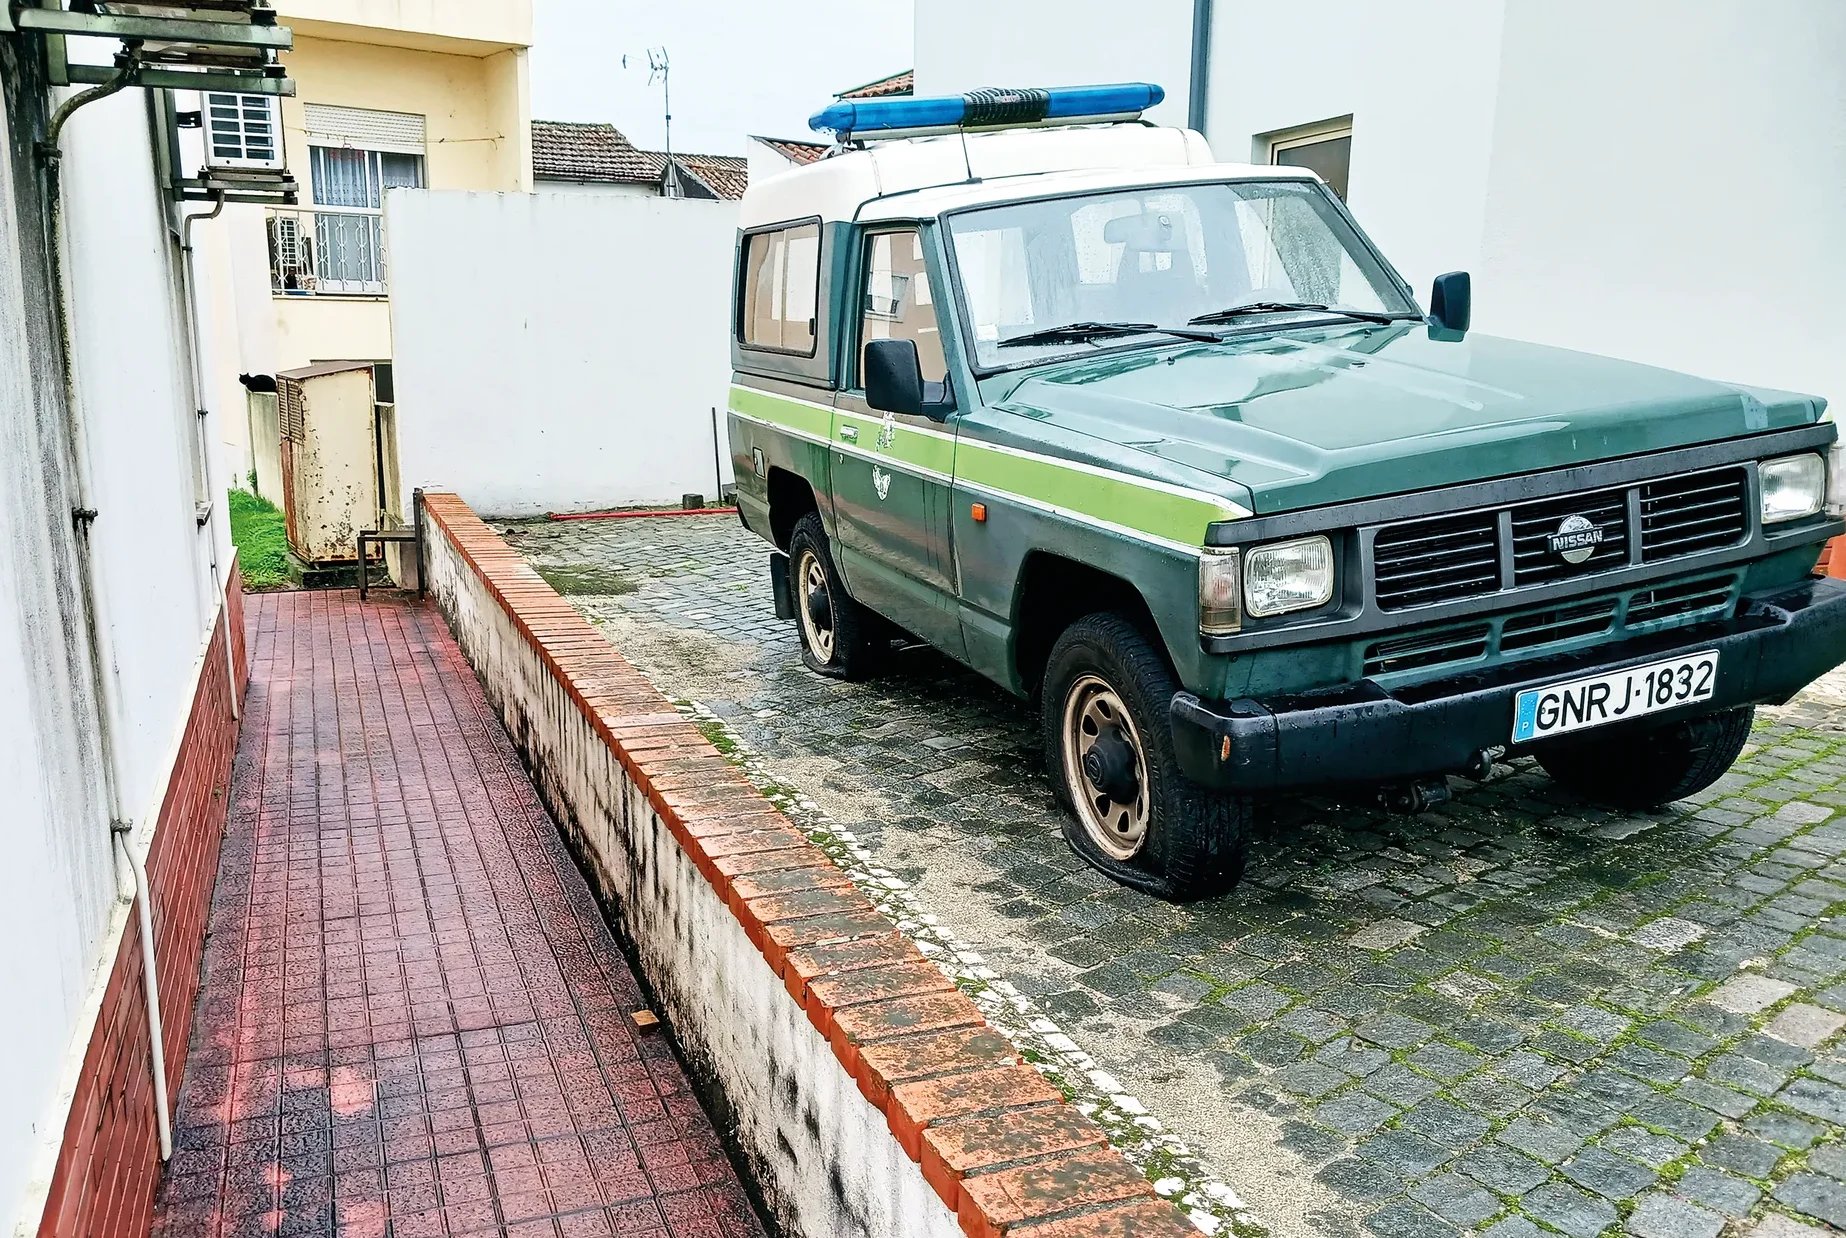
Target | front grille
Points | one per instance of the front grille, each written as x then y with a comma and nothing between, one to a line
1427,561
1549,626
1419,649
1534,524
1676,601
1444,558
1683,515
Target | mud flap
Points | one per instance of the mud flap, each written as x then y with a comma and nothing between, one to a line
779,586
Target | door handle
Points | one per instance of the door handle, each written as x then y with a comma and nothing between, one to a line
849,433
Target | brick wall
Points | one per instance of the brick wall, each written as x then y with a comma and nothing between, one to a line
865,1092
109,1165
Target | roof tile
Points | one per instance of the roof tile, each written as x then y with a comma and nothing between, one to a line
577,151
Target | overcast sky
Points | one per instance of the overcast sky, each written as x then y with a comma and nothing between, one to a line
739,67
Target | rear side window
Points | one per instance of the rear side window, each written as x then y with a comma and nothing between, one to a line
781,280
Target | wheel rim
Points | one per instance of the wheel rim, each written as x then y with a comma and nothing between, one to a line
1105,767
815,605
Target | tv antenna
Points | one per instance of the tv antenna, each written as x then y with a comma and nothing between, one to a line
657,67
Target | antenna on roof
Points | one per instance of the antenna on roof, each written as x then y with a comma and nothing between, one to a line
657,67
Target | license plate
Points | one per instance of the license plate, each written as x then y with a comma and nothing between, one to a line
1597,700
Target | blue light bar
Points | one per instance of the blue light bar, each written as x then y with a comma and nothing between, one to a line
991,108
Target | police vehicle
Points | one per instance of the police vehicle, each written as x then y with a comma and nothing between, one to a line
1168,447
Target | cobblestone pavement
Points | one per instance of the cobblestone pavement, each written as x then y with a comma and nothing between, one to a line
1511,1016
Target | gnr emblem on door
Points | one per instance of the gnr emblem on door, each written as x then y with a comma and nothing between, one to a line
881,482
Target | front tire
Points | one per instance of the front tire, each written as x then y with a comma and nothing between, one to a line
839,637
1651,767
1109,749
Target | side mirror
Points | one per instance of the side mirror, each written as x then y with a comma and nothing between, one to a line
893,377
1451,302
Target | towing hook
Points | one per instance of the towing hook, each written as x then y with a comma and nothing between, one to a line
1415,796
1480,766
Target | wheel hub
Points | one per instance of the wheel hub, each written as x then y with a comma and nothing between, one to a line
820,608
1105,767
1110,766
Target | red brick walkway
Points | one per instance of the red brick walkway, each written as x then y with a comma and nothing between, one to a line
413,1020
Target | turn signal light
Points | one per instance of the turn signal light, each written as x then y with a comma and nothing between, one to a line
979,512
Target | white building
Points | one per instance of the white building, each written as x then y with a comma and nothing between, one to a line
1658,179
118,697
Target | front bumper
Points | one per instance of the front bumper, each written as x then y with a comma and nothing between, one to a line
1774,644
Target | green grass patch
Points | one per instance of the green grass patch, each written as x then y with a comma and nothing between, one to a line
585,579
261,538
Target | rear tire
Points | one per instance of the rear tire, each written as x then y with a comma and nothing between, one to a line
1651,767
1108,743
839,637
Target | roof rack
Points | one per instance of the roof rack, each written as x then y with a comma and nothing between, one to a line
991,108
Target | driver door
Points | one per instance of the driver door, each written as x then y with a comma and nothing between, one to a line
892,472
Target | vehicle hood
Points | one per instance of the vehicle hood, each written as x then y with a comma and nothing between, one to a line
1331,415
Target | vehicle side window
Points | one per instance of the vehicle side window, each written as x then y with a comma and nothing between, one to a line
781,281
898,303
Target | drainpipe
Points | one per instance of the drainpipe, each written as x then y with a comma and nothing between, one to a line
144,899
1201,65
91,583
198,403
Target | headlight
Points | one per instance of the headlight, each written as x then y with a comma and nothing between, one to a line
1836,473
1287,576
1793,487
1220,611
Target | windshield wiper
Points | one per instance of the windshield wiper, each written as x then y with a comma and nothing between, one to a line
1079,332
1282,307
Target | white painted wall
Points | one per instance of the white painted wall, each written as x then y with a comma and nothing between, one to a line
58,895
1418,81
966,44
765,162
598,189
594,345
1654,180
1669,185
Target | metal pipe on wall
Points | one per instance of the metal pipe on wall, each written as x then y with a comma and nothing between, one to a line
1201,65
150,973
190,295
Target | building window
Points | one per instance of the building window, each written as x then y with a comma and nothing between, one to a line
781,283
354,156
349,240
1324,148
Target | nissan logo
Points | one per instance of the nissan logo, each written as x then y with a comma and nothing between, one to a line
1576,539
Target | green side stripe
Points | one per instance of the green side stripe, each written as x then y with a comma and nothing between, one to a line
908,446
1113,498
1118,500
791,413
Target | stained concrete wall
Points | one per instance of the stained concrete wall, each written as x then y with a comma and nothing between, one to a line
60,907
823,1156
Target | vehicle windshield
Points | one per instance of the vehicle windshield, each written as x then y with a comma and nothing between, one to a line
1158,257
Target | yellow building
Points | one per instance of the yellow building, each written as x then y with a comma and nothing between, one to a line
424,93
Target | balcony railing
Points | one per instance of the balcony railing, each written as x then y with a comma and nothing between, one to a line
326,252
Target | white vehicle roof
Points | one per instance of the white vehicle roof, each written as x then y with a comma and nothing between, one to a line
917,177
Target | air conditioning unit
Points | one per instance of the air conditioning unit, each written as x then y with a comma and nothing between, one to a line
242,131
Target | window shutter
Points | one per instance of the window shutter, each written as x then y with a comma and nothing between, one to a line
362,127
241,131
290,417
